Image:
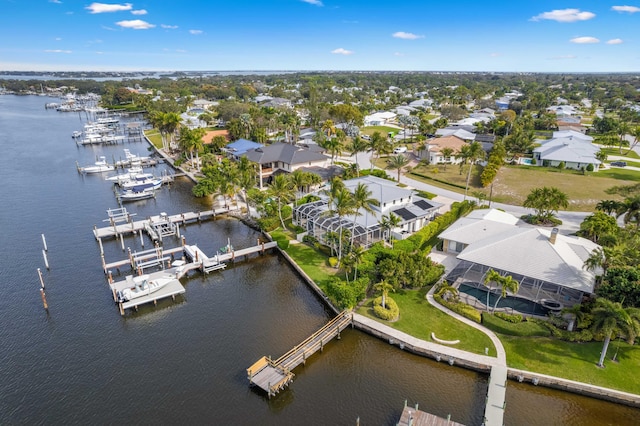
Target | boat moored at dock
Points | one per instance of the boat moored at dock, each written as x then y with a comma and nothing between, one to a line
143,286
99,166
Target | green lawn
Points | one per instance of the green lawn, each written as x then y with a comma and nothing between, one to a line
154,136
312,263
419,319
625,152
575,361
384,130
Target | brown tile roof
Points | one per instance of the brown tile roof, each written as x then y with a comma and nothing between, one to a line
453,142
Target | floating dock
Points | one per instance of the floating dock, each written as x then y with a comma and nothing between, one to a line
173,288
414,417
273,376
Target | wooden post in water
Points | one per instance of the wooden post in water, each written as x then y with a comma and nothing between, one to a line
100,244
44,242
122,241
46,261
44,299
141,239
41,280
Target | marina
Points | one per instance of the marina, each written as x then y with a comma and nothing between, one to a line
255,308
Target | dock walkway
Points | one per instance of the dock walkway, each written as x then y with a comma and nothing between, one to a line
273,376
173,288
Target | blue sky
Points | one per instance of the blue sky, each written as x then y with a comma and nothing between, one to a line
409,35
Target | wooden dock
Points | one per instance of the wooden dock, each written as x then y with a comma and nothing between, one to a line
124,224
172,289
273,376
414,417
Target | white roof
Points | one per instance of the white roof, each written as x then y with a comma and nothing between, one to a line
529,252
568,150
571,134
384,115
461,133
478,225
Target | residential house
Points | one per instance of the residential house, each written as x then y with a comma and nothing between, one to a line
283,158
434,147
546,264
569,147
379,118
238,148
414,213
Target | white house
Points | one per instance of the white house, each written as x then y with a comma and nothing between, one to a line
379,118
574,150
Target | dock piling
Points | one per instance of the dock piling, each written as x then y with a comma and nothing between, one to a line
46,261
122,241
44,242
41,280
44,300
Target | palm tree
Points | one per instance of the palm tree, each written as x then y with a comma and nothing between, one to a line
343,205
282,191
171,124
491,276
384,288
506,283
397,162
329,128
607,206
357,146
446,156
299,181
471,153
379,145
546,201
635,132
577,313
609,318
356,254
361,200
387,223
246,178
630,208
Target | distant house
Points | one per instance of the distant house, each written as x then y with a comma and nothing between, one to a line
414,213
571,148
238,148
547,265
379,118
457,132
283,158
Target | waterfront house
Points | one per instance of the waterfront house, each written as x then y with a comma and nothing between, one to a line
546,264
414,213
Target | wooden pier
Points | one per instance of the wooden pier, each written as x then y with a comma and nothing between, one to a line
122,223
414,417
273,376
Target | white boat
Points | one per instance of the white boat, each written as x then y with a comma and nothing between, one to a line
99,166
128,175
142,286
141,182
76,134
129,195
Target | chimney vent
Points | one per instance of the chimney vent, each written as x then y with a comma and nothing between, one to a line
554,235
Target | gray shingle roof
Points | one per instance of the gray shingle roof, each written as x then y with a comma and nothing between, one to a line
284,152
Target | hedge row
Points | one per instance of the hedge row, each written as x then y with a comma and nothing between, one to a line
422,238
461,308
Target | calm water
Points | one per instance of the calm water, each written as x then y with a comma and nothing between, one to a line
184,362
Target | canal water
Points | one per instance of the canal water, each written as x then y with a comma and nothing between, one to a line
184,361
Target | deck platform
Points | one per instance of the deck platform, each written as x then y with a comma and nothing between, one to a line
495,405
273,376
172,289
116,228
414,417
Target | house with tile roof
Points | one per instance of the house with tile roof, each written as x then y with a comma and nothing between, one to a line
433,149
546,264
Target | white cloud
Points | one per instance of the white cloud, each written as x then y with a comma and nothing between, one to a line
139,12
615,41
313,2
105,8
55,1
628,9
135,24
99,52
565,15
181,51
495,54
195,32
406,36
58,38
341,51
563,57
398,54
584,40
57,51
168,27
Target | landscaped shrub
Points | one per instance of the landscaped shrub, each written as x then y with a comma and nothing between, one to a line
426,194
268,224
461,308
333,261
389,312
514,318
347,295
590,167
309,239
522,329
561,165
533,162
584,335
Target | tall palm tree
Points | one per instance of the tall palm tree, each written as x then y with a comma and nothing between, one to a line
491,276
506,283
384,288
609,318
356,254
328,128
608,206
343,205
630,208
246,178
387,223
361,200
379,145
471,153
397,162
446,156
357,146
171,123
282,191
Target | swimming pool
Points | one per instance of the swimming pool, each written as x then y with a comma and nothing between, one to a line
527,161
519,304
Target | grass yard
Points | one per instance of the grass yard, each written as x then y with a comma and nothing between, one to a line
575,361
418,318
154,136
625,153
384,130
312,263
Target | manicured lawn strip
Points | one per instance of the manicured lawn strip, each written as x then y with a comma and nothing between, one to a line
621,174
384,130
419,319
154,136
524,329
625,152
575,361
312,263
